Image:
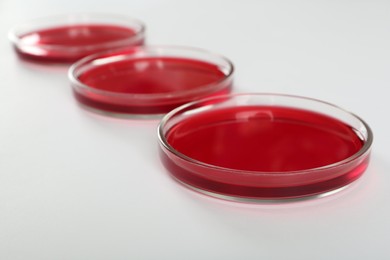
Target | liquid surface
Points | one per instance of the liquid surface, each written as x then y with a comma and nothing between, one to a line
67,44
152,75
78,35
268,139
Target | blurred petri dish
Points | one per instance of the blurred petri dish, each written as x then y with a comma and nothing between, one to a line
264,146
67,38
149,80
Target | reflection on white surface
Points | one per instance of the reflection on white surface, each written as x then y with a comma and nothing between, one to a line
348,206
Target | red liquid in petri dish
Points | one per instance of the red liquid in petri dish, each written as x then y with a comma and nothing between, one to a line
161,78
72,42
263,139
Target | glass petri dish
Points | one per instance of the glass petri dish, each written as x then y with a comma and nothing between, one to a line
264,146
149,80
67,38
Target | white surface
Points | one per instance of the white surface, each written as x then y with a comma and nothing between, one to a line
74,185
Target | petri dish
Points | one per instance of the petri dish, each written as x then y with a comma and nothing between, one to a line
149,80
67,38
264,146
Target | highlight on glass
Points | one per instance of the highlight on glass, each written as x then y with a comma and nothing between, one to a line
264,146
67,38
149,80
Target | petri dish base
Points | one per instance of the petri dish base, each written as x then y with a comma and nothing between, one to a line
264,146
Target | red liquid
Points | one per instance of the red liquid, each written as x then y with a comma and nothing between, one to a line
167,77
69,43
264,139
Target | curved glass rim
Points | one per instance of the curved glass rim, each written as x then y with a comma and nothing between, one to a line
139,32
163,141
151,49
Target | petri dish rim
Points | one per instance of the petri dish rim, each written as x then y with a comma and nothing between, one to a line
67,19
163,141
154,51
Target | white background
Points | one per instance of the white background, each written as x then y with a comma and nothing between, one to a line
75,185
